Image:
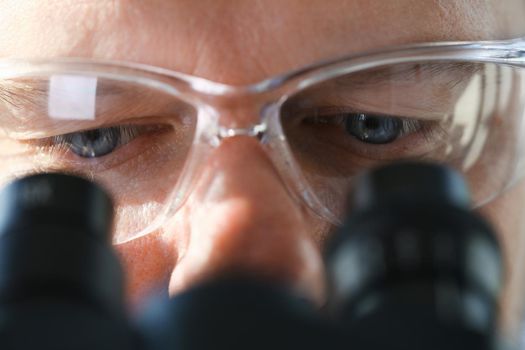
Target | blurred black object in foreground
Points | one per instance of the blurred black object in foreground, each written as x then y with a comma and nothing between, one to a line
60,282
413,267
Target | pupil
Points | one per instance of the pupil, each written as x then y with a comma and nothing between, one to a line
94,143
372,123
373,129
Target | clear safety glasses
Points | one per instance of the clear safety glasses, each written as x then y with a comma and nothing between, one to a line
144,132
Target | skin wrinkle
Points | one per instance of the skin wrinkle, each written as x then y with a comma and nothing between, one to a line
475,15
100,43
237,43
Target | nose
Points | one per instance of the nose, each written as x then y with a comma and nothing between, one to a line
240,219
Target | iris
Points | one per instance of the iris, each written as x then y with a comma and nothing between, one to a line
373,129
93,143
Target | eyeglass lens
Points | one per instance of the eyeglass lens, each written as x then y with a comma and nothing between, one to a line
135,139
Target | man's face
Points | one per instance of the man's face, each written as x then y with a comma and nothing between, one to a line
239,216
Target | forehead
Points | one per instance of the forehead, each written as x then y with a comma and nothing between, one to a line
235,42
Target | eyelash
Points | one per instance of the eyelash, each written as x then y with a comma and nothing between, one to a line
59,149
408,125
429,133
124,134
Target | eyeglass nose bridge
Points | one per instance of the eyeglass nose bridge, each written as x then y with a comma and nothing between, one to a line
256,131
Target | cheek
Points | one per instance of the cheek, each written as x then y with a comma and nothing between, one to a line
147,264
320,230
506,214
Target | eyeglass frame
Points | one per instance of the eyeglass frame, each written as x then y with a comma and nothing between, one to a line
269,95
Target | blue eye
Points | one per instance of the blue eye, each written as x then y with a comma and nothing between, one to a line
97,142
373,129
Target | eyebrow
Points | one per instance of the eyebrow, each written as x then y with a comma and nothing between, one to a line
405,72
11,90
33,92
122,104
